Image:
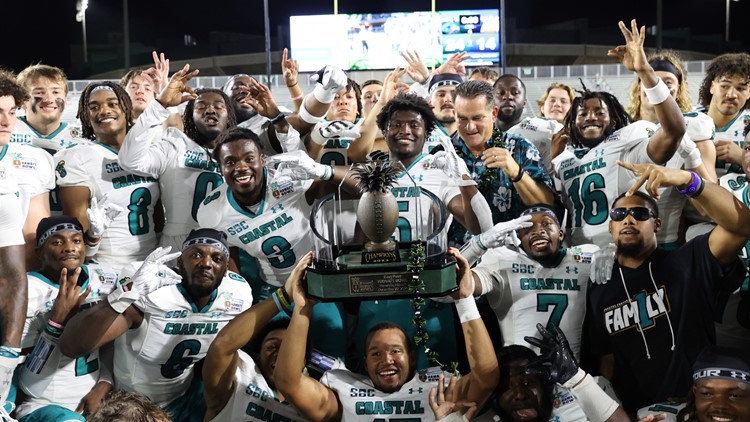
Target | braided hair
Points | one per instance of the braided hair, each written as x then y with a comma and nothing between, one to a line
618,116
126,105
187,117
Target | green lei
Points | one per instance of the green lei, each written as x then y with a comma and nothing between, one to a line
488,178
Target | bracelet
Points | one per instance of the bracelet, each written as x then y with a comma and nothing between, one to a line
695,187
299,97
658,93
292,85
518,178
55,324
283,297
279,117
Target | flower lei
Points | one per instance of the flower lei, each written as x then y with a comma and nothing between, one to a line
416,265
487,179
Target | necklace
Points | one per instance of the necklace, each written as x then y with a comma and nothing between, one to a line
487,178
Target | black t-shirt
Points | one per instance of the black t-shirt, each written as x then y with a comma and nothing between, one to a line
677,302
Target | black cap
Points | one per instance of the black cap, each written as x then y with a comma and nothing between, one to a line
48,226
444,79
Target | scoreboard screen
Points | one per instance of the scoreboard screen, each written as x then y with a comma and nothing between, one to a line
375,41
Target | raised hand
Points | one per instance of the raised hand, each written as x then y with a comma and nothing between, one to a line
557,362
101,214
69,297
337,129
177,91
289,68
392,85
297,165
295,283
631,55
442,400
260,98
152,275
416,69
454,64
655,177
159,73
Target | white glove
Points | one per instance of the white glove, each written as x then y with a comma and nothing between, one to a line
689,152
297,165
152,275
101,215
602,261
495,237
337,129
330,80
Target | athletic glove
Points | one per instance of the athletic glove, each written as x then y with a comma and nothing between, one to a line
337,129
101,215
556,362
495,237
297,165
330,80
602,261
152,275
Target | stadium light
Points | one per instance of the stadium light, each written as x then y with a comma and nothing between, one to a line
81,6
726,36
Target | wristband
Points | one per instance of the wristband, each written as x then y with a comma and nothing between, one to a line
10,352
658,93
518,178
298,97
55,324
283,297
467,309
695,187
597,405
275,297
466,182
306,116
292,85
327,173
279,117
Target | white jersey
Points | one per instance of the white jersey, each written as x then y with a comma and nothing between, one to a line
593,181
539,131
185,169
32,169
361,401
438,136
131,236
335,152
423,177
64,137
253,399
734,132
276,234
668,408
734,329
671,203
158,357
73,378
524,293
12,216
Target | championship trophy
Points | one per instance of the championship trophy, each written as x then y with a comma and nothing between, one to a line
365,248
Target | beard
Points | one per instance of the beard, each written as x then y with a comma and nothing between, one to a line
630,250
244,113
510,118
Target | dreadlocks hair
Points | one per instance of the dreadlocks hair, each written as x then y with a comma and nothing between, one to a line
618,117
126,105
729,64
683,96
187,117
9,87
407,102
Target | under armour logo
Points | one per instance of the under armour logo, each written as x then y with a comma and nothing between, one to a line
418,390
598,152
277,208
574,270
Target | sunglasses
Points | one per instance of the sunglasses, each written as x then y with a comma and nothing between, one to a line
639,213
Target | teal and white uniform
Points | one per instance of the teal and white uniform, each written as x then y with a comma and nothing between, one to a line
361,401
64,137
524,293
734,329
539,131
591,180
438,136
185,170
131,236
668,408
335,151
733,131
253,400
157,358
70,379
12,214
32,169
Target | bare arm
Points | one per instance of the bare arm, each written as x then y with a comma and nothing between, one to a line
95,327
708,156
222,359
13,294
75,202
460,207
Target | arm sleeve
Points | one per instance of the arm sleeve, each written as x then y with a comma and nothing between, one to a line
106,361
491,274
41,364
138,154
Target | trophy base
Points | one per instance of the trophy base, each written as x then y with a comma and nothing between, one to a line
369,281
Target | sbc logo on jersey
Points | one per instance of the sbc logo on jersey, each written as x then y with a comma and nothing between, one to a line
60,169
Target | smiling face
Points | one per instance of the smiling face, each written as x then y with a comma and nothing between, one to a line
633,237
729,93
48,101
592,122
106,115
8,118
405,134
719,400
542,240
203,268
237,92
242,169
388,360
441,102
64,249
210,114
141,92
475,120
344,106
521,395
556,105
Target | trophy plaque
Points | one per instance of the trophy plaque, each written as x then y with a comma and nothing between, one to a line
362,246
